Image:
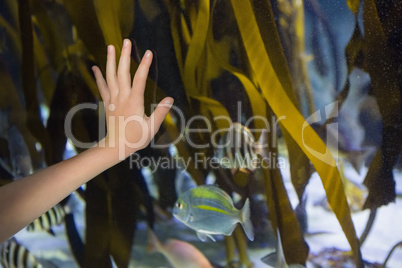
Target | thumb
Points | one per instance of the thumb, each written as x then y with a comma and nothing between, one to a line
159,114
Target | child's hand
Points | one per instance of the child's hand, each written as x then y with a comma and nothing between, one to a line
128,128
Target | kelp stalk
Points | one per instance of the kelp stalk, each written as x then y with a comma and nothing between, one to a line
241,243
230,249
34,121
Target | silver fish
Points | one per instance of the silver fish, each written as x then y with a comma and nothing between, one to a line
210,211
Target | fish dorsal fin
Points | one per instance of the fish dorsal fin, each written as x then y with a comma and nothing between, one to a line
217,190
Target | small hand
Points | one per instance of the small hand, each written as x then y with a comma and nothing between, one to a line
128,128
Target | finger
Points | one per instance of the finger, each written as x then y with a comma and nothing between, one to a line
101,83
140,77
123,71
111,76
159,114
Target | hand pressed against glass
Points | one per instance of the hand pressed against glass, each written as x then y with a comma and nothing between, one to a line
129,130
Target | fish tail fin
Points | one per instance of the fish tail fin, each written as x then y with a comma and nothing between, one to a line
245,220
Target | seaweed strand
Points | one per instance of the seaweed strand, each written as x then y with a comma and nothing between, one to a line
34,121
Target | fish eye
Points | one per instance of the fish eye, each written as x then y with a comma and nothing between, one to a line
179,205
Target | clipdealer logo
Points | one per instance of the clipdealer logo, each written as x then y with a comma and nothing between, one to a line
187,129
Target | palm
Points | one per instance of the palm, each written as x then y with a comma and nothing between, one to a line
129,129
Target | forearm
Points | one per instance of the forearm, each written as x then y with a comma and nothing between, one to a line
22,201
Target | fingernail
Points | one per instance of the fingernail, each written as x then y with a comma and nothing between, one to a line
125,42
168,101
148,53
109,48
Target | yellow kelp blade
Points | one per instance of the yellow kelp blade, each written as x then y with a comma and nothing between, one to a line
177,36
110,18
220,116
354,48
353,5
273,46
196,48
49,31
294,123
82,14
300,168
87,75
12,33
45,77
189,44
283,216
107,13
258,104
126,16
12,9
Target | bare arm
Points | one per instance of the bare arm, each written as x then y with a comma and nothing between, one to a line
129,130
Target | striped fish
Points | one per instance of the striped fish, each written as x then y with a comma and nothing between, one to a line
236,148
53,217
14,255
209,210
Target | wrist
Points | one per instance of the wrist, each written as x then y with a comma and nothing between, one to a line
117,152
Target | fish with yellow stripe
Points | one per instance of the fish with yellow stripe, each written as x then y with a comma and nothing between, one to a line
209,210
